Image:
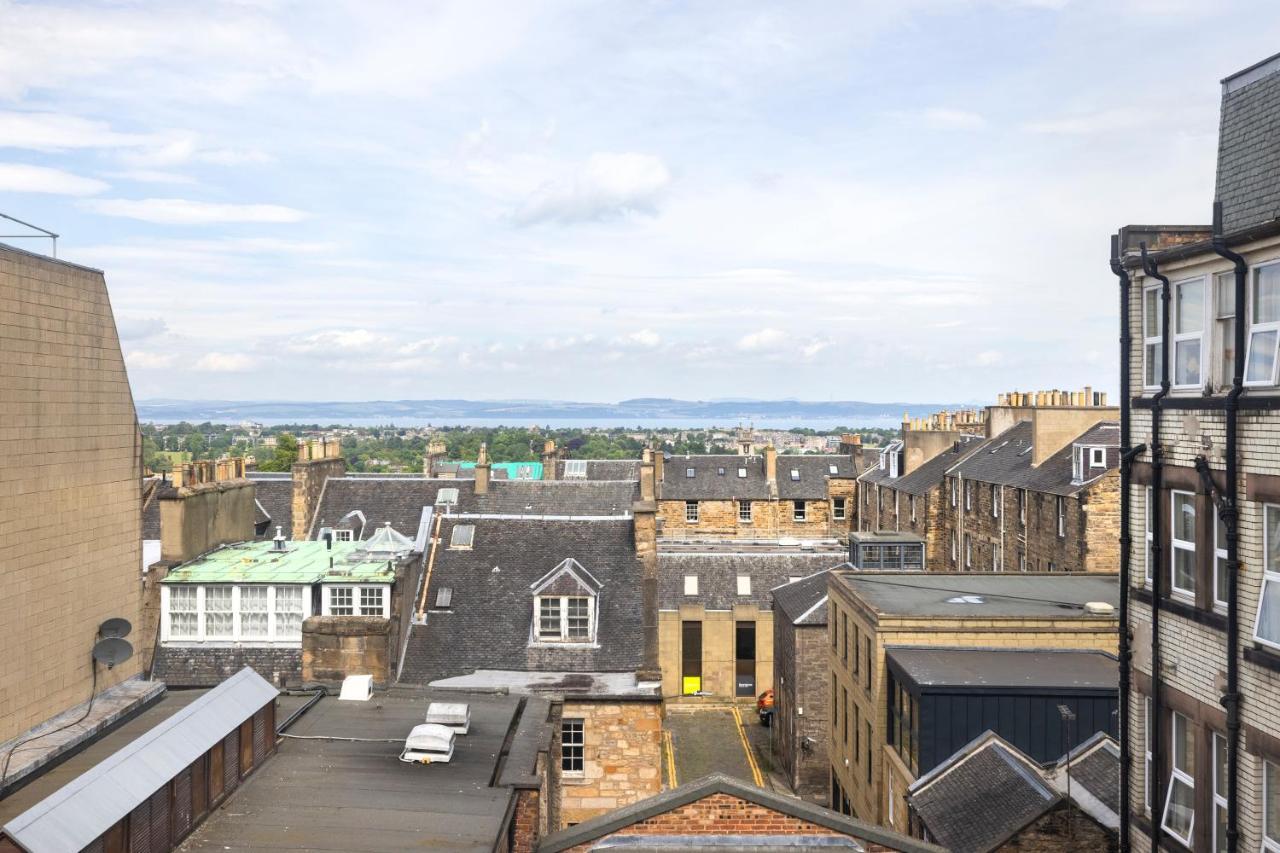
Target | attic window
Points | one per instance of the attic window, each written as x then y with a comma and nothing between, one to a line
689,472
444,597
742,473
833,470
342,535
565,619
447,497
575,469
1097,457
690,584
720,472
463,536
795,474
744,584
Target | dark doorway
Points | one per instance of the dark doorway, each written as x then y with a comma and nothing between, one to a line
744,646
690,657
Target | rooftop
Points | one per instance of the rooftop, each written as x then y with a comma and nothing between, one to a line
300,563
982,596
718,572
726,477
1020,670
1006,460
594,684
803,601
321,794
880,537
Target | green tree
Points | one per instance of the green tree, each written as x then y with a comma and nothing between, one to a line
285,454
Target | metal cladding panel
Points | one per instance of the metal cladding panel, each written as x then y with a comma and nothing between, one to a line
83,809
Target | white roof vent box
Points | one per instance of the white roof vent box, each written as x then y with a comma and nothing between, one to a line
356,688
1099,608
428,743
455,716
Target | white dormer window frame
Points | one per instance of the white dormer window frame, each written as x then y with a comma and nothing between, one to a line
691,512
1152,309
742,473
1262,350
343,535
575,469
1189,325
567,619
893,465
447,497
1097,457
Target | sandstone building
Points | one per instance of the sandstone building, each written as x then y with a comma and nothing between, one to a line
801,693
1201,511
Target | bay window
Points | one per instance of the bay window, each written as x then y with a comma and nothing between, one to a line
253,612
1180,800
1266,628
341,602
371,600
1152,312
184,611
1188,332
288,612
1182,537
1264,327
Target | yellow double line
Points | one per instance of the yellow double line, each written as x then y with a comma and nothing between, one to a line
671,758
746,747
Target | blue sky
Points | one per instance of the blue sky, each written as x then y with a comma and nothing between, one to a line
594,201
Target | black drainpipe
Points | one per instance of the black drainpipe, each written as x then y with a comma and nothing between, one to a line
1228,510
1158,567
1126,464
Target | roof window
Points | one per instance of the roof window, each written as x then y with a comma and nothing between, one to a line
742,473
575,469
966,599
795,474
689,472
834,469
447,497
444,597
463,536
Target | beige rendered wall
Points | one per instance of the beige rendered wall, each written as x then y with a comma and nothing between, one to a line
70,487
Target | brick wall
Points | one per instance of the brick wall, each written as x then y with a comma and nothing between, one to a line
527,825
623,757
70,493
801,683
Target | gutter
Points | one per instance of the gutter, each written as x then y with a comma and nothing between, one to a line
1229,513
1157,551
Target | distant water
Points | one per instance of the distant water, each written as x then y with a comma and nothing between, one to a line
574,423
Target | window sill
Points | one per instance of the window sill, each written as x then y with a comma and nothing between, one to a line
562,644
573,778
1263,657
1180,607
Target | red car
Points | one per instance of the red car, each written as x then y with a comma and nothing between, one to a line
764,707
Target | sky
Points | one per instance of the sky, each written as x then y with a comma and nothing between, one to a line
905,201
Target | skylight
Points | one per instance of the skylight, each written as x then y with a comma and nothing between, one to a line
447,497
689,472
966,599
742,473
463,536
444,597
795,473
834,469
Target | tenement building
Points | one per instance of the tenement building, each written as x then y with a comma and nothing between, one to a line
1200,309
801,693
764,496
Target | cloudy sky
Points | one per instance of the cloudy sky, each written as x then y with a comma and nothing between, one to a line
903,200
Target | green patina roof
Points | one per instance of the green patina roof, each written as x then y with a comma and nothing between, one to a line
303,562
512,468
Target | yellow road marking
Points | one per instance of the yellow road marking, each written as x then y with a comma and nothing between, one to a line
671,758
746,747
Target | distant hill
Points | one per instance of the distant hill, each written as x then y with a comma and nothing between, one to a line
528,411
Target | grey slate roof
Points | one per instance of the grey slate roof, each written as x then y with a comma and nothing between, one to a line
929,475
400,500
718,783
987,595
718,573
709,484
1248,181
605,469
1095,778
1024,670
803,602
1006,460
489,621
275,497
84,808
981,796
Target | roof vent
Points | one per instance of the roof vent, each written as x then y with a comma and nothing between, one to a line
965,599
279,542
1098,608
357,688
455,716
428,743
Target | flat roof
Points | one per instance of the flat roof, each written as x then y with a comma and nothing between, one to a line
1038,670
303,562
986,595
320,794
569,684
885,537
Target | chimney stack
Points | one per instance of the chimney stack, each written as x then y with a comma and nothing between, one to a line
644,514
549,458
482,470
771,468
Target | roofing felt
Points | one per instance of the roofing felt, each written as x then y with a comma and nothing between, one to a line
987,595
1006,460
708,483
74,816
401,500
339,795
489,621
981,796
718,574
301,563
803,602
717,783
1020,670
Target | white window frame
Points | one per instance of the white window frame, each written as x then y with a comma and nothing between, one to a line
1219,557
1220,799
838,511
1150,341
1150,730
1150,534
691,512
1176,545
968,495
577,727
795,475
343,535
1179,776
968,551
690,473
893,464
326,598
744,584
690,584
995,557
1188,337
1062,517
997,496
1224,338
953,491
575,469
562,612
744,512
1270,575
742,473
273,637
1097,457
799,511
911,504
1256,328
1022,506
1268,844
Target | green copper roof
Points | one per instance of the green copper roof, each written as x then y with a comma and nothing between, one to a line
531,470
301,562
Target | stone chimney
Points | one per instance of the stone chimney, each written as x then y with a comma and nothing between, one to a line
318,460
1057,417
436,452
549,457
644,513
771,468
659,465
482,470
211,504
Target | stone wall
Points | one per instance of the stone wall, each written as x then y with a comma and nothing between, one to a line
202,666
1065,829
202,516
70,487
770,519
802,695
334,647
623,757
308,483
718,661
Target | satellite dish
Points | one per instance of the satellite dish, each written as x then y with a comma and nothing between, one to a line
112,650
116,627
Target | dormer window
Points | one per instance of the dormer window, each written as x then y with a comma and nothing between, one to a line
447,497
565,602
795,475
342,535
893,465
575,469
742,473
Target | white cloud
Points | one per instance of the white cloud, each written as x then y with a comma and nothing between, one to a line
349,340
44,131
144,360
21,178
140,328
645,338
224,362
945,117
152,176
988,358
1084,124
606,187
765,339
181,211
428,345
